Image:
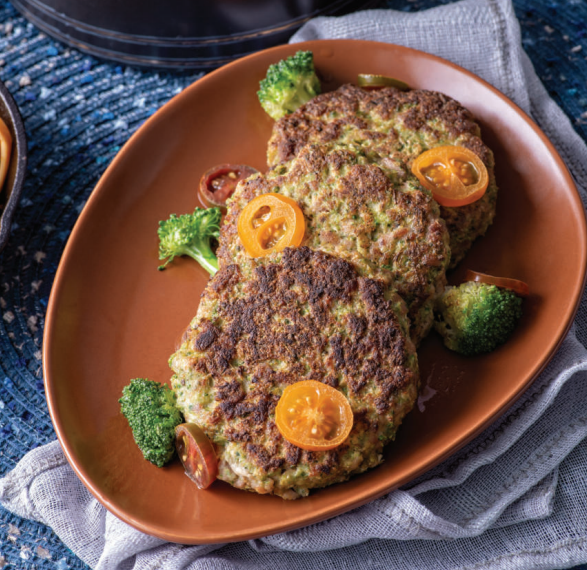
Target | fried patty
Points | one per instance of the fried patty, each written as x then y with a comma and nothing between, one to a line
353,209
297,315
391,128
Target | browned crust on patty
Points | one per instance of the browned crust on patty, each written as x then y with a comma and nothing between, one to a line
325,116
353,209
391,128
302,315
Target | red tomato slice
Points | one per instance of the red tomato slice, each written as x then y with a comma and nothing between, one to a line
196,454
219,183
518,287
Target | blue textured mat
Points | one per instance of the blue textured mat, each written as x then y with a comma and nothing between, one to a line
78,111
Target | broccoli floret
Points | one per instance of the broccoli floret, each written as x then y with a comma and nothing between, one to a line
289,84
191,234
152,415
474,318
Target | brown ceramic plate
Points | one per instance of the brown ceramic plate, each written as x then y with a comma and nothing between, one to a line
112,316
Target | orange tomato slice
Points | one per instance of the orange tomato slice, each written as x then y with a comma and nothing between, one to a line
313,415
455,175
196,454
270,223
518,287
5,150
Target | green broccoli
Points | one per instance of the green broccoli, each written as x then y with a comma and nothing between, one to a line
474,318
190,234
152,415
289,84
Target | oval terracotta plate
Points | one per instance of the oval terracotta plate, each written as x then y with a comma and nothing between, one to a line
112,316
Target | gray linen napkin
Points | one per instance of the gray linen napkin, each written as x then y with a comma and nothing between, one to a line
515,497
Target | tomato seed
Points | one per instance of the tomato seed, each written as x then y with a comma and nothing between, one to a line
261,216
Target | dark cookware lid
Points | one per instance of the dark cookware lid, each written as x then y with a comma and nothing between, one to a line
176,34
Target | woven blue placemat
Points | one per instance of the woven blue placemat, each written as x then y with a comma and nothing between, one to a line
78,111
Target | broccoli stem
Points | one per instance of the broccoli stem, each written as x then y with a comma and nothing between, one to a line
204,256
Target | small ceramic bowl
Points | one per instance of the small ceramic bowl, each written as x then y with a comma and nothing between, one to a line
12,187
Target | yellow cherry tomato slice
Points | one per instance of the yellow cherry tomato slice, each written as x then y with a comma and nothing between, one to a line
313,415
196,454
370,81
270,223
515,285
455,175
5,151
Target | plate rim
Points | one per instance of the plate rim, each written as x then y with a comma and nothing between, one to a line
365,497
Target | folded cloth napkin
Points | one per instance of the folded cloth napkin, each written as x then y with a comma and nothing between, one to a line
515,497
